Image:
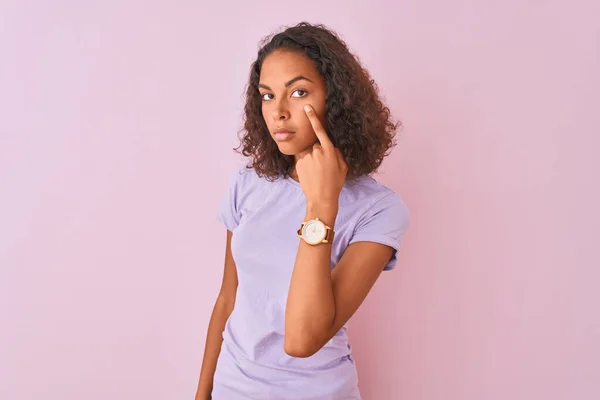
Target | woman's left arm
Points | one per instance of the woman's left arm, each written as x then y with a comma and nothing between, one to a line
320,301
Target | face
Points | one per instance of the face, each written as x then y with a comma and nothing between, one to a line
288,81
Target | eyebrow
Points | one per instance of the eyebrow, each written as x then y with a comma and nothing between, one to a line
288,83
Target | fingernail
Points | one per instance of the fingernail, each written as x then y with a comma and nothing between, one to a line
306,107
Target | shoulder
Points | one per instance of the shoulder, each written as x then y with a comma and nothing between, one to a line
366,193
377,214
246,185
372,206
245,178
243,173
245,189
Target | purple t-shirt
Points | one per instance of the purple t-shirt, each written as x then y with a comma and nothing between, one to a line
264,218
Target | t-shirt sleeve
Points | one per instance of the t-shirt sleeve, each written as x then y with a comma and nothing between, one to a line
228,213
385,222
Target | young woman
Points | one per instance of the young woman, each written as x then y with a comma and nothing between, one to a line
308,230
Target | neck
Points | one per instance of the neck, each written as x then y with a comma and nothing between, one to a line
293,174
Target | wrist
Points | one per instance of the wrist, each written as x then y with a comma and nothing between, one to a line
325,211
325,206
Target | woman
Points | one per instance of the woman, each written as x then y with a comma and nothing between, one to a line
308,230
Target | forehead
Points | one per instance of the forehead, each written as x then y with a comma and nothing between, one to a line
283,65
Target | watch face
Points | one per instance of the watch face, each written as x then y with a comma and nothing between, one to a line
314,231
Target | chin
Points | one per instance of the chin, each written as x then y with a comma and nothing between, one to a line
288,152
287,148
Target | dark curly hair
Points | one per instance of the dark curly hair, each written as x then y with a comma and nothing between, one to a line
356,119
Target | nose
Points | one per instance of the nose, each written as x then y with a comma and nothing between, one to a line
280,111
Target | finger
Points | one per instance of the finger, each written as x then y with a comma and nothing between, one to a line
318,128
341,158
339,154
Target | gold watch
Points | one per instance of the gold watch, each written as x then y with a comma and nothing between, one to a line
315,231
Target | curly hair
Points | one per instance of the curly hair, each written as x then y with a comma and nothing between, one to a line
356,119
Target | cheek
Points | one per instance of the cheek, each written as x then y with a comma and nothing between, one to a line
303,123
301,120
264,113
319,107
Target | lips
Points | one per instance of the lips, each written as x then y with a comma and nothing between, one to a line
283,134
283,130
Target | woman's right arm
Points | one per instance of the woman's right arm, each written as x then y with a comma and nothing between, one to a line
214,338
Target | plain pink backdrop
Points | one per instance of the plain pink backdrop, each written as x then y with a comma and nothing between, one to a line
117,120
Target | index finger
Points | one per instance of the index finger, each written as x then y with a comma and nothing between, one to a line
319,130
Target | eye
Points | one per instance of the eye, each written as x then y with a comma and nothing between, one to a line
301,91
264,96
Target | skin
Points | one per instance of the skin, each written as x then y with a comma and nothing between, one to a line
283,106
320,300
221,312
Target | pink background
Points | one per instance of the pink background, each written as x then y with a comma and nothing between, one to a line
117,121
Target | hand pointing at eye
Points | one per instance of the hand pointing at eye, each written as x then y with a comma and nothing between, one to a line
321,168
